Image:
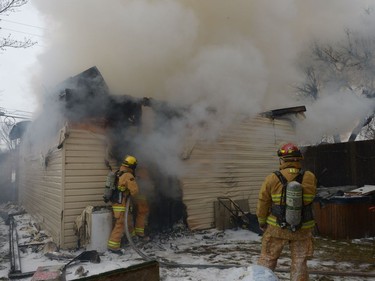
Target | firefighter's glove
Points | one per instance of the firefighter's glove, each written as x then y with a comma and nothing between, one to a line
263,226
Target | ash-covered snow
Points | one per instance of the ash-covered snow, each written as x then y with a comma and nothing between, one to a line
230,247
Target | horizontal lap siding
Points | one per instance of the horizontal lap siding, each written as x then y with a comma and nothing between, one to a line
85,174
233,166
40,188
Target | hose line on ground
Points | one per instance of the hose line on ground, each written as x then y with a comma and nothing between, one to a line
167,263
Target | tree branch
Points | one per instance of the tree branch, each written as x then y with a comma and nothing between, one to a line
7,6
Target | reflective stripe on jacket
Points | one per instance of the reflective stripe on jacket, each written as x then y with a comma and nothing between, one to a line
271,190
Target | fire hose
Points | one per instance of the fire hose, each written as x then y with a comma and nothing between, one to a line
167,263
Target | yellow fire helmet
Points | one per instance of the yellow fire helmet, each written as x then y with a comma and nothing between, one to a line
130,161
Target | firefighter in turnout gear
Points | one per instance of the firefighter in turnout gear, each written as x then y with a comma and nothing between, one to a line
127,186
273,212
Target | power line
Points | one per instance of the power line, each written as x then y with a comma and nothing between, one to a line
17,110
15,116
2,28
19,114
23,24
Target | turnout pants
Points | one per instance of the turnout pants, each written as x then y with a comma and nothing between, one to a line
301,247
114,241
141,219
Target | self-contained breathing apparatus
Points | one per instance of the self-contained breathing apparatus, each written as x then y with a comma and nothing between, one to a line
111,191
291,212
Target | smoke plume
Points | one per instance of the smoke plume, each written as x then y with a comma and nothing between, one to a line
238,57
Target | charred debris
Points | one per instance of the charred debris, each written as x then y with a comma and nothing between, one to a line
85,101
86,98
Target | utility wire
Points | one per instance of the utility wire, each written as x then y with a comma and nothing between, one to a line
23,24
19,112
14,110
15,114
13,30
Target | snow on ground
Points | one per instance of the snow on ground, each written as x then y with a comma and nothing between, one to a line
233,247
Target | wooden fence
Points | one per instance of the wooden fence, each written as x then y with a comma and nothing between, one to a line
340,164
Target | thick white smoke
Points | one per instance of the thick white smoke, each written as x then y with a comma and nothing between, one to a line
341,111
236,56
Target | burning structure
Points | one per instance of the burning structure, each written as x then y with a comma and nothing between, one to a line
63,154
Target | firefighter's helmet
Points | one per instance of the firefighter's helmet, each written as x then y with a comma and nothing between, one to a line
289,152
130,161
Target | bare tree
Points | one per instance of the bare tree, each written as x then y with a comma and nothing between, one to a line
5,128
6,7
346,64
349,63
311,86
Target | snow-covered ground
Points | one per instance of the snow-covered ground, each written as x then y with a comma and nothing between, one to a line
237,247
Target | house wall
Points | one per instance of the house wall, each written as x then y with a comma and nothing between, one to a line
56,186
233,166
84,176
40,186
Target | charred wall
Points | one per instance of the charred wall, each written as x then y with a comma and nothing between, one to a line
165,201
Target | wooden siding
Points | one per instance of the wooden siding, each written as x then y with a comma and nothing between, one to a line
233,166
40,187
85,174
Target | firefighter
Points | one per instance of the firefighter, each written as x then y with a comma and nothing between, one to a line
127,186
270,214
142,201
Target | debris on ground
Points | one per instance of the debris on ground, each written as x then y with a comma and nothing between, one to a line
182,246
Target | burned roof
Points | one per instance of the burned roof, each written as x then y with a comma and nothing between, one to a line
282,112
89,81
87,96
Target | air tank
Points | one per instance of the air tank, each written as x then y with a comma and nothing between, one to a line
110,185
294,203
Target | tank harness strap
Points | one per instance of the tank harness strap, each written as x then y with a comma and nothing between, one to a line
279,210
117,194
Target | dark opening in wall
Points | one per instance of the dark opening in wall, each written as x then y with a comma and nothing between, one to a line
166,205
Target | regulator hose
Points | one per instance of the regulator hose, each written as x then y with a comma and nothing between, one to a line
167,263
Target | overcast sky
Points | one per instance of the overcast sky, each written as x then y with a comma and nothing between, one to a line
236,57
16,64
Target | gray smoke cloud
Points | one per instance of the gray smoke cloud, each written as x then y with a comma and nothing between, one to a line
236,56
341,111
